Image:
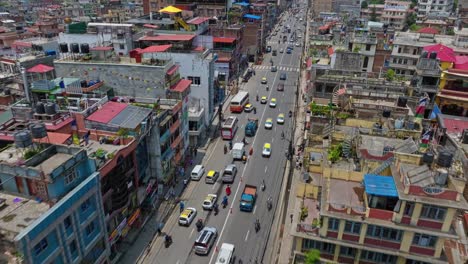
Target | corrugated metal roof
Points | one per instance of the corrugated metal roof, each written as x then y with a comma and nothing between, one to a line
107,112
131,117
380,185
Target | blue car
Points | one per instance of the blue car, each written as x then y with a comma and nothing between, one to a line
288,51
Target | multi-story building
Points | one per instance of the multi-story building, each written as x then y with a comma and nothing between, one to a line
208,8
373,9
254,36
427,7
54,200
364,43
321,6
380,201
395,12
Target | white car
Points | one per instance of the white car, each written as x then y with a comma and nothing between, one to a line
210,201
266,150
273,102
269,123
187,216
298,44
280,119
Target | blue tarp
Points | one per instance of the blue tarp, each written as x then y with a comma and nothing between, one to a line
241,3
250,16
380,185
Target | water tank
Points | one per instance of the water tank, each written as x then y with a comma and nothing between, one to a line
433,55
402,101
84,48
83,84
428,158
40,109
38,130
410,125
23,139
75,48
441,177
399,123
64,47
464,138
445,159
424,54
50,108
386,113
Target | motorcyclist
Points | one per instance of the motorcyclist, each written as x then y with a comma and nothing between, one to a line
269,202
168,238
225,201
282,134
290,113
256,97
225,149
267,87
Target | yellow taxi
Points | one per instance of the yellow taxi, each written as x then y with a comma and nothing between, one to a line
211,176
269,123
187,216
264,80
264,100
248,108
273,102
280,119
209,201
266,150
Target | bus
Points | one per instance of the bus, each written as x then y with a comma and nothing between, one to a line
239,101
229,128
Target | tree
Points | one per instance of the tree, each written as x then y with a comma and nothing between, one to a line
390,75
312,257
410,19
364,5
373,15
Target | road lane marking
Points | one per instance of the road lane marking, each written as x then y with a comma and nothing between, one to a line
178,262
266,168
247,235
214,185
272,140
191,233
255,209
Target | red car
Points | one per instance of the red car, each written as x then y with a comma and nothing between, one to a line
280,87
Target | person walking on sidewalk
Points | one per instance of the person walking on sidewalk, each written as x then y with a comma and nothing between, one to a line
228,190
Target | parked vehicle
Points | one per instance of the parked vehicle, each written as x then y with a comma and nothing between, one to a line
251,127
238,151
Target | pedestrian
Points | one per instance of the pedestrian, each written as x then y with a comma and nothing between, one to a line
291,216
191,162
300,164
228,190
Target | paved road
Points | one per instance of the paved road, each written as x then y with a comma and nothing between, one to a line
233,226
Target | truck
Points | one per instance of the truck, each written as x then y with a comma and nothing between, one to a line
251,127
238,151
248,197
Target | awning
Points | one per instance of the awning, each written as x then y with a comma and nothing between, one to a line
197,20
223,40
250,16
184,37
241,3
101,48
156,48
380,185
170,10
172,70
40,68
181,86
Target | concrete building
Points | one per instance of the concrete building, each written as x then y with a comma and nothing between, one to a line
380,200
364,43
373,8
433,7
395,12
71,230
321,6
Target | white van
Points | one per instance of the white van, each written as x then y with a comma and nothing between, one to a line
197,172
225,254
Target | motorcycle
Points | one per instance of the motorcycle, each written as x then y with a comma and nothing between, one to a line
257,226
269,203
167,241
262,187
267,88
215,209
290,113
199,225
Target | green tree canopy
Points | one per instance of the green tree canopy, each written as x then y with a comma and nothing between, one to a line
312,257
364,4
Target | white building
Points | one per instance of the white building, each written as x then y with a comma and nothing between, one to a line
434,7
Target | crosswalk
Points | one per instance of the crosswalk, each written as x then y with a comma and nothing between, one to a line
280,68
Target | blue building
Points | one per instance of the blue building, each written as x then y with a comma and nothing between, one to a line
72,231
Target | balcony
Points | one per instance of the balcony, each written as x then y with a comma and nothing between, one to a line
365,39
43,86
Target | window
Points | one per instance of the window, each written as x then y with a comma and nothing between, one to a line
409,207
366,62
73,247
347,251
121,46
424,240
85,205
90,228
352,227
378,257
333,224
399,50
368,47
195,80
324,247
412,261
405,61
70,176
41,189
433,212
67,222
384,233
41,246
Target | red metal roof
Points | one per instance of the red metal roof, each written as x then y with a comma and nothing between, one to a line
172,70
428,30
40,68
101,48
197,20
22,44
199,48
54,138
444,53
168,38
223,40
156,48
107,112
461,62
181,86
224,59
454,124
